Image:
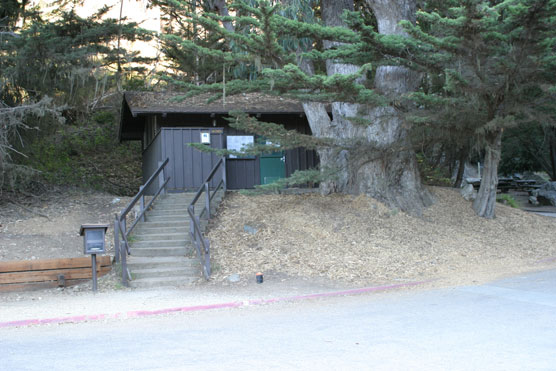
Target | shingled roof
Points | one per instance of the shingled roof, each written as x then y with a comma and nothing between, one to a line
150,102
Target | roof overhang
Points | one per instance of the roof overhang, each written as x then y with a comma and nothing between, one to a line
136,106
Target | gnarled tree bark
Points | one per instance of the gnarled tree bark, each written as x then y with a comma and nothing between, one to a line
485,203
377,159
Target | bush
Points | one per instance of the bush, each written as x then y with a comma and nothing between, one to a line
431,175
87,155
506,199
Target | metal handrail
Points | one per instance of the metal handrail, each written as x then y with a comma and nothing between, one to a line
142,190
120,228
126,276
208,179
140,216
194,226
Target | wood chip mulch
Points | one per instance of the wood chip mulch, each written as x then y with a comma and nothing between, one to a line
360,240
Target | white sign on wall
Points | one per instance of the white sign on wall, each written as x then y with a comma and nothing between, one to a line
239,143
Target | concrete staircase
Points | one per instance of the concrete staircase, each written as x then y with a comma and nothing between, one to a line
161,250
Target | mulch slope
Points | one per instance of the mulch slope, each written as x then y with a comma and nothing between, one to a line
360,240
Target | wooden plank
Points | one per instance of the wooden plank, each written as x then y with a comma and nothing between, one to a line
37,285
43,264
51,275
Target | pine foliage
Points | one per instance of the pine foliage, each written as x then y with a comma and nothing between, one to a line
490,66
55,68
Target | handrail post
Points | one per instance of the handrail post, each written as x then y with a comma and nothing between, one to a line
116,240
142,204
207,199
124,266
124,225
192,224
201,244
164,177
224,173
207,258
161,179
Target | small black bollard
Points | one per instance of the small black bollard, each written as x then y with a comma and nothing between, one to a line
61,280
259,277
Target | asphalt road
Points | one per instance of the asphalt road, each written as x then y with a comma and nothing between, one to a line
505,325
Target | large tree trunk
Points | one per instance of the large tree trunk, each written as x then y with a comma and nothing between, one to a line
485,202
377,160
552,153
462,159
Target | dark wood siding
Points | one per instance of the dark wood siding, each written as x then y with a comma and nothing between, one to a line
188,167
151,156
299,158
242,174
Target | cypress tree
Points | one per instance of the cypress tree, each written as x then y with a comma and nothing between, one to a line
53,68
322,61
496,61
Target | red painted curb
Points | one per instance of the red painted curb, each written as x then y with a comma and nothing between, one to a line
547,260
197,308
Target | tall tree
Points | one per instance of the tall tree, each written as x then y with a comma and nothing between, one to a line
365,142
53,68
496,60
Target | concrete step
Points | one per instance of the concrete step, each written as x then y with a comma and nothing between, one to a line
143,230
156,236
149,227
141,262
162,251
187,195
158,282
174,200
166,218
177,208
162,254
178,195
171,221
166,272
170,213
166,211
152,224
186,200
177,204
160,230
159,242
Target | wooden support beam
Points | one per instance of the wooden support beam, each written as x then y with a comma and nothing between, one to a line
51,275
44,264
35,274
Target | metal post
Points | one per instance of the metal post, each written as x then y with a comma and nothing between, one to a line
142,204
224,173
207,256
161,178
192,225
94,264
116,240
207,199
124,266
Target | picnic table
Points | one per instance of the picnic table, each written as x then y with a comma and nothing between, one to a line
505,184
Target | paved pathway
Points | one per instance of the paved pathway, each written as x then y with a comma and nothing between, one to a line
506,325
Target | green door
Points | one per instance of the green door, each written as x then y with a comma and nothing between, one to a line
273,167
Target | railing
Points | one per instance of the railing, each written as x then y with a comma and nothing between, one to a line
120,224
202,245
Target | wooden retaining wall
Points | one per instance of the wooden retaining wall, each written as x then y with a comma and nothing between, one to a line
37,274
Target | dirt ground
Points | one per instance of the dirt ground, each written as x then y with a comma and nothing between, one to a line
335,241
48,227
358,240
